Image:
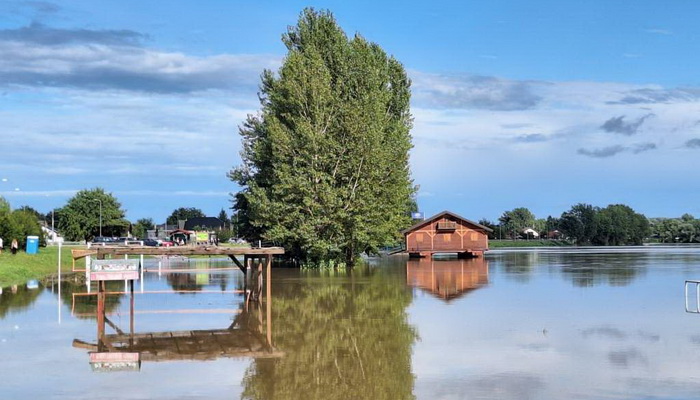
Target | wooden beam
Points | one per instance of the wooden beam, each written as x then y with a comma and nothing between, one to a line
238,263
81,253
177,251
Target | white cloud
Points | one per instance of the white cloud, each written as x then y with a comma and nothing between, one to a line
98,60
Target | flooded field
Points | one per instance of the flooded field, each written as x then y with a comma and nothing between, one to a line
526,324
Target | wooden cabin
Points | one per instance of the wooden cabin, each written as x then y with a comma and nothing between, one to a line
446,232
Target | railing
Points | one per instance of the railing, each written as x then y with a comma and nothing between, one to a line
696,309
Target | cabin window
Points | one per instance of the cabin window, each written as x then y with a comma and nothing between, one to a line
446,226
419,237
475,237
447,237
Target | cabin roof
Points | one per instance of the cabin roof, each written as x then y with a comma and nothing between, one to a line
204,222
440,215
185,231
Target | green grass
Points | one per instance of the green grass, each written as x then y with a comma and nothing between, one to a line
21,267
496,244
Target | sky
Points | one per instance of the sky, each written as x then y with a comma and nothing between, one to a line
538,104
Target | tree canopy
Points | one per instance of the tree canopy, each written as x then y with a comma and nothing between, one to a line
614,225
516,220
325,162
79,219
4,205
685,229
579,223
18,224
184,213
141,226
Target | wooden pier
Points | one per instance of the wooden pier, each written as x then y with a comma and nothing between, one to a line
246,337
252,257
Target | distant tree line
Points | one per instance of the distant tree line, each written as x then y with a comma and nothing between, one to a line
583,224
86,215
685,229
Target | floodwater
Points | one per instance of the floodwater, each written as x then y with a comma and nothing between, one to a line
525,324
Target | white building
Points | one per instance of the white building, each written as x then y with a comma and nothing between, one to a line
529,232
52,237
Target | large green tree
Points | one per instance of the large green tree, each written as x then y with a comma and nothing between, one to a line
685,229
618,224
140,228
516,220
325,163
80,218
19,224
579,223
184,213
4,205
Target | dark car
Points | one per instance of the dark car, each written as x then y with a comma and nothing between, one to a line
150,242
102,239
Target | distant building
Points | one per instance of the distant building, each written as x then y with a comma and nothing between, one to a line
446,232
555,234
51,235
530,233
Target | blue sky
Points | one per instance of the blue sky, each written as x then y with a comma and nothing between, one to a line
541,104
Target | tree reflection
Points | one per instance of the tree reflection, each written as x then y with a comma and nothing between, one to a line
518,265
343,338
85,306
614,269
583,269
17,298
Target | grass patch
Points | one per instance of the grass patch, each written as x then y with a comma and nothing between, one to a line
21,267
496,244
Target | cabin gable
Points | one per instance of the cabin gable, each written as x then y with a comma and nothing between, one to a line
446,233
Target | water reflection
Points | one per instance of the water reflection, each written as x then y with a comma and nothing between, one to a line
529,331
344,338
447,279
581,268
16,299
83,304
249,335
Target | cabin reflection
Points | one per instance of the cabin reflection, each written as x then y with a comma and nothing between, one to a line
447,279
249,335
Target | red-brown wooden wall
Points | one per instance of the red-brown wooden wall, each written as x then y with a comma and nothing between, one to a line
465,237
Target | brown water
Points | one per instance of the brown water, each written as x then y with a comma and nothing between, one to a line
532,324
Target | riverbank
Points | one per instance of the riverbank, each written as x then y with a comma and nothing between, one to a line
21,267
499,244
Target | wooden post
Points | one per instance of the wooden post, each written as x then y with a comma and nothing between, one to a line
268,299
131,311
100,314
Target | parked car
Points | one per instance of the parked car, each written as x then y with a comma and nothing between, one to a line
167,243
102,239
150,242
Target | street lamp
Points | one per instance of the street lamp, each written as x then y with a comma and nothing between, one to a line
100,201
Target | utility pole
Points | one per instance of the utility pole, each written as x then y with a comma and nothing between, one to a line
100,201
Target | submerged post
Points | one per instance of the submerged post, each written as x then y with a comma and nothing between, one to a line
141,268
268,299
59,282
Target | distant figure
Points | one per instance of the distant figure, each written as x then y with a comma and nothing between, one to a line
14,246
0,245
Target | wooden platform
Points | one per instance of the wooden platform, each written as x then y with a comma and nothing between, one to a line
186,345
101,251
